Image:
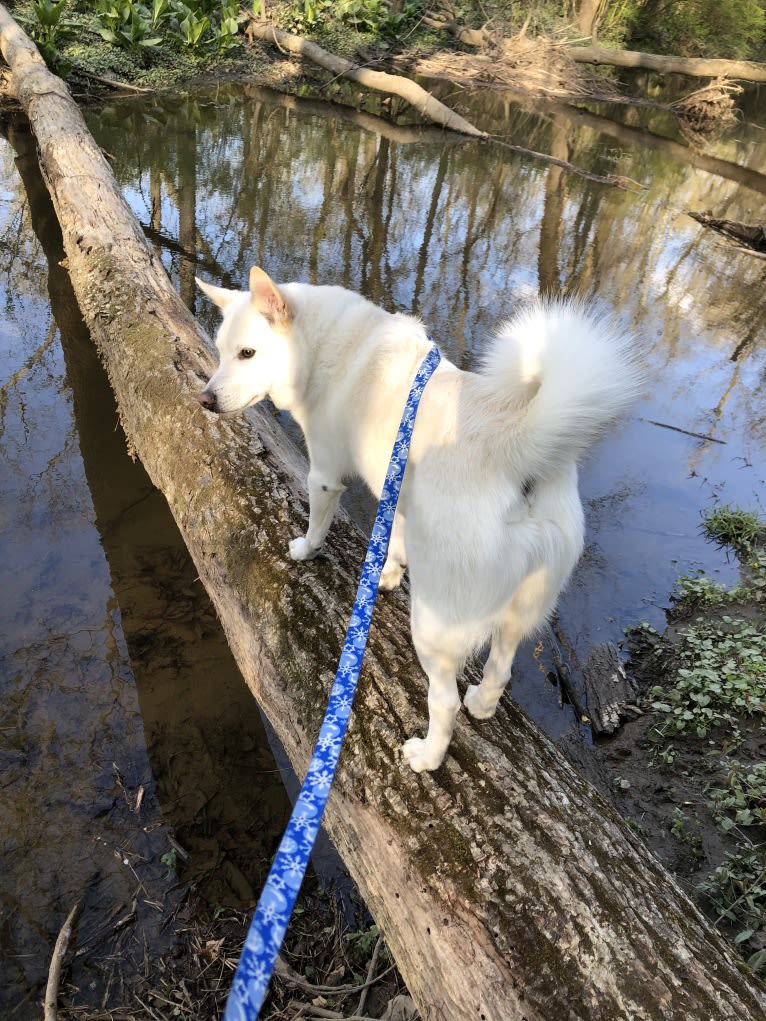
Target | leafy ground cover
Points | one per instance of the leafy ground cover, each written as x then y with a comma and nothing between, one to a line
690,774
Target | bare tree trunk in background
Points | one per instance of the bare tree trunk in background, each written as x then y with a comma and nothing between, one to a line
506,887
586,17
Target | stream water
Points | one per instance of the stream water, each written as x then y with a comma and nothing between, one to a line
126,732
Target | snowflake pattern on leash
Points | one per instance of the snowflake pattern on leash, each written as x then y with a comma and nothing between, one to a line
272,914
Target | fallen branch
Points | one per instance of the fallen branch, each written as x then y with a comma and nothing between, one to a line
615,180
445,18
57,962
114,83
696,67
380,81
686,432
546,69
751,236
290,977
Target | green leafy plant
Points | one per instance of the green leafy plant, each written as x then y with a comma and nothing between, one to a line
362,944
743,801
379,17
193,26
699,590
736,890
161,12
126,24
376,17
682,830
49,21
721,675
170,858
50,29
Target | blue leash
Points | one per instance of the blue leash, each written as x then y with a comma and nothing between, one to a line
272,914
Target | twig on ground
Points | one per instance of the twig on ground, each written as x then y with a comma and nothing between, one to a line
286,974
57,961
370,973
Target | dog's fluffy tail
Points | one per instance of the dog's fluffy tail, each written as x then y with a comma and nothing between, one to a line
562,372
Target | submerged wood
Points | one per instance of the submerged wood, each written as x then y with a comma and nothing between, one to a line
506,887
750,235
50,1005
610,692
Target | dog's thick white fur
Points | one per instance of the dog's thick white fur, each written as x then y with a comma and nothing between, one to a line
489,522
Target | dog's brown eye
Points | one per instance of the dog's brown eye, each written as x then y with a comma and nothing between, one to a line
246,352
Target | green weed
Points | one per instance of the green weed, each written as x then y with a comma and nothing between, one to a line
732,526
743,801
736,890
721,676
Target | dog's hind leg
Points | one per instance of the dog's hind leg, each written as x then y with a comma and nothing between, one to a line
441,665
396,561
324,494
481,699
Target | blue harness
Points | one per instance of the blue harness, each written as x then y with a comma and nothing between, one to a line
272,914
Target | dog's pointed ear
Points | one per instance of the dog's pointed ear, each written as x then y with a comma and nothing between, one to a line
220,296
266,297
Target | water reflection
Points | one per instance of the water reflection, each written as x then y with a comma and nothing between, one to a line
127,731
459,233
110,651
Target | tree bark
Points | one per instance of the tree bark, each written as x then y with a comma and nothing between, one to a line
586,17
696,67
380,81
506,887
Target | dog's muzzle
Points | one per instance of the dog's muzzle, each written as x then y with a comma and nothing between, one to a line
208,400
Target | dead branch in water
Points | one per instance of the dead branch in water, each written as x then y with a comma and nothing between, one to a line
57,962
545,68
751,236
551,68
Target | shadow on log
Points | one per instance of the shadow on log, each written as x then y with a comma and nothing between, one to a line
505,885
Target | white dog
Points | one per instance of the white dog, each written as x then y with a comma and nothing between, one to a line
489,521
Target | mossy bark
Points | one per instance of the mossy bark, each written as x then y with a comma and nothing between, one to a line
506,887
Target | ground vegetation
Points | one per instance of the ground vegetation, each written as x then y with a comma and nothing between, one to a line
690,773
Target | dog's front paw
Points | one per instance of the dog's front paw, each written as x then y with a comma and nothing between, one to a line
301,549
476,704
419,757
391,575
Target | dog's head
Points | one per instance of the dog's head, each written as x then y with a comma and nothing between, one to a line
253,346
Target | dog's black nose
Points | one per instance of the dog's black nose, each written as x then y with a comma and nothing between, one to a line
207,400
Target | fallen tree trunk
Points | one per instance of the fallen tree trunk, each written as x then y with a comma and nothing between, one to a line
380,81
696,67
506,887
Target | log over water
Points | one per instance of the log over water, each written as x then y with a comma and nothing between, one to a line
506,887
